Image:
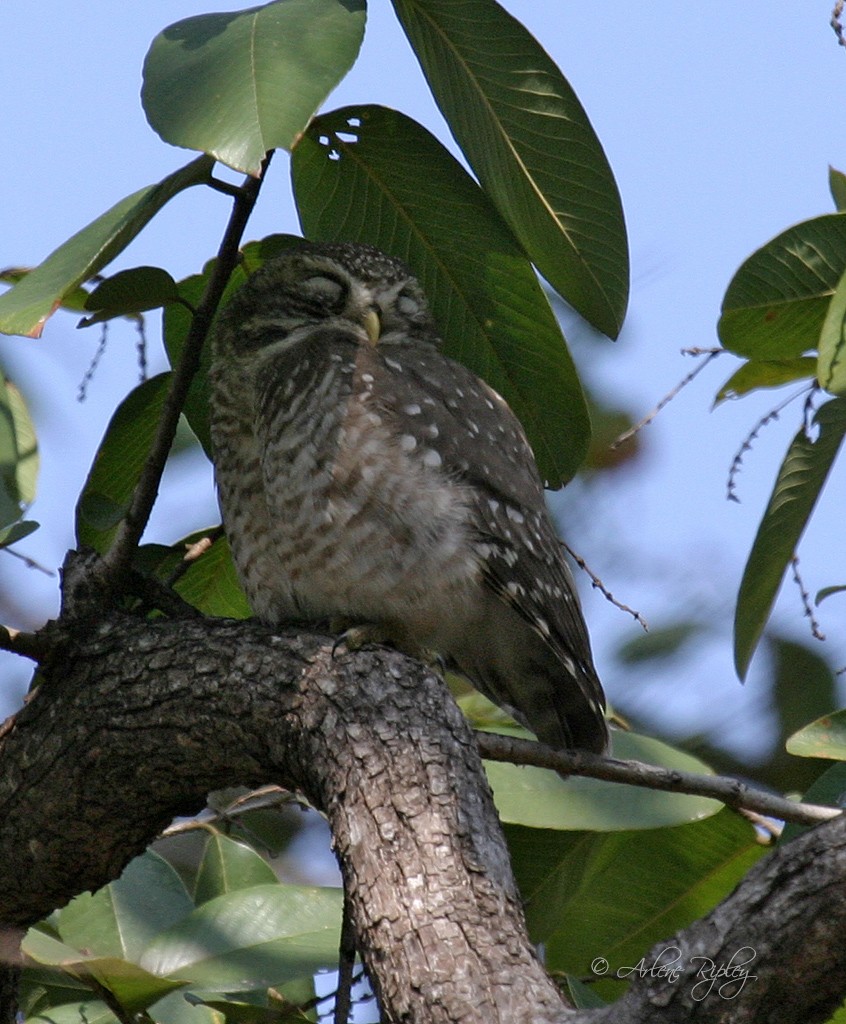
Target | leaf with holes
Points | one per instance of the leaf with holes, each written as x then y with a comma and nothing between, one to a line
238,84
529,141
798,485
776,303
369,174
26,307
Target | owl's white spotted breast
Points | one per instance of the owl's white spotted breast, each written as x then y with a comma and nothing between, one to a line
334,507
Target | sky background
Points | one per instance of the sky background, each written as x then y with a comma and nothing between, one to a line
719,121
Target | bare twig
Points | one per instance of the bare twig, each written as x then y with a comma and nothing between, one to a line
709,353
28,645
88,376
746,446
732,792
816,630
117,560
30,563
597,584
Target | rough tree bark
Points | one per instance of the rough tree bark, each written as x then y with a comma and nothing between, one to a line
135,722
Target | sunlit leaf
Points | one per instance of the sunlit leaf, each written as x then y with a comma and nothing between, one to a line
25,308
797,487
826,737
776,303
252,938
760,373
369,174
529,140
238,84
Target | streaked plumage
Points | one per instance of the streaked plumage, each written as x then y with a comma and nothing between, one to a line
363,475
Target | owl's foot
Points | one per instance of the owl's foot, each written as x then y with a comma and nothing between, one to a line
355,637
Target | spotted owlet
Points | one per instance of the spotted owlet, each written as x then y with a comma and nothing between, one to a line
366,477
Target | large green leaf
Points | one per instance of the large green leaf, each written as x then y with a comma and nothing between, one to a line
117,466
251,938
613,895
831,372
369,174
135,988
538,798
120,919
26,307
238,84
776,303
529,140
798,484
228,865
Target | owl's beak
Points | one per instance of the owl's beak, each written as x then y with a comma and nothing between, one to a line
373,325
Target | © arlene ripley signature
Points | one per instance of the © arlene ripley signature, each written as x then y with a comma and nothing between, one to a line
728,978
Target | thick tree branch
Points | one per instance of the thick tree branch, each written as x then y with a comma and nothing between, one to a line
136,721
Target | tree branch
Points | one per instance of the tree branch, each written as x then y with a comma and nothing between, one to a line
118,558
374,741
730,791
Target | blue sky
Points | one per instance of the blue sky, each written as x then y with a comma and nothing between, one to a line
719,121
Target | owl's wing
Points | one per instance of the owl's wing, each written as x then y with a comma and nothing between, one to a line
481,443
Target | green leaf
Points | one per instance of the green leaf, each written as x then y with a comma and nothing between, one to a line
253,938
829,790
238,84
538,798
761,373
369,174
826,737
135,988
827,592
831,371
129,292
26,307
228,866
17,531
776,303
798,484
120,919
661,642
210,583
118,463
837,187
20,450
615,894
529,141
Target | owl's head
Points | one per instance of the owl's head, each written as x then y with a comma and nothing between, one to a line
350,287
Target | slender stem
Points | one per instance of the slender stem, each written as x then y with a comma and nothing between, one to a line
346,966
731,792
118,559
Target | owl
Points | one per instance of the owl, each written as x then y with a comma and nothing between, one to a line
365,477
